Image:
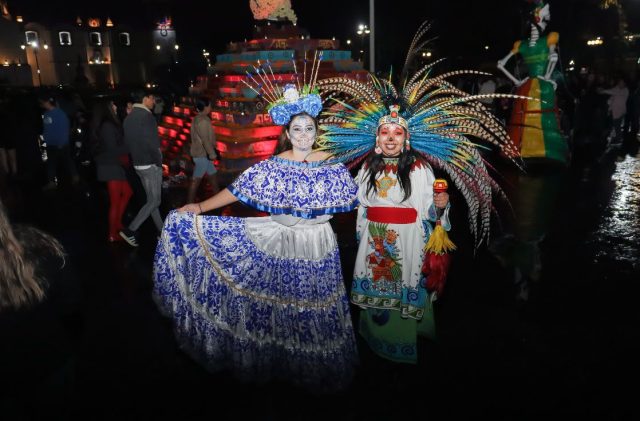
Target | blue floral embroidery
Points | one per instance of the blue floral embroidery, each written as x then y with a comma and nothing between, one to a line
305,190
260,316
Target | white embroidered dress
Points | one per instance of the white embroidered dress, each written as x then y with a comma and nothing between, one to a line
264,297
387,273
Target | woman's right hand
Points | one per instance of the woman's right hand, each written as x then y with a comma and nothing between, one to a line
191,207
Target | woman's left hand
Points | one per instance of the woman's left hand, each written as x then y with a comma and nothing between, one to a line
191,207
441,200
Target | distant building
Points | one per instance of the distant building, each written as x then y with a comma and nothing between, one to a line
13,60
83,51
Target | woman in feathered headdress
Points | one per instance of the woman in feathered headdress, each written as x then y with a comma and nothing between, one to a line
403,215
265,297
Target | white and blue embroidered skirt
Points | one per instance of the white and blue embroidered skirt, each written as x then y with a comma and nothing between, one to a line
262,297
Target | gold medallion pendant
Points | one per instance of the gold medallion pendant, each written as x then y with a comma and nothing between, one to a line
384,184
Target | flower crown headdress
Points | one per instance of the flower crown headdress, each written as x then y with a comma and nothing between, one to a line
283,102
445,124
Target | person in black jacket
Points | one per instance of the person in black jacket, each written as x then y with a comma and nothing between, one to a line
8,116
141,137
112,158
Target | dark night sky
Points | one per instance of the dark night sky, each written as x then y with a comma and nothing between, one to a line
463,27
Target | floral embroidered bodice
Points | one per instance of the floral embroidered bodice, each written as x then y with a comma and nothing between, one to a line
303,189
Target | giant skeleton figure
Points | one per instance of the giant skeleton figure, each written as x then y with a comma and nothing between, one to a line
534,128
534,122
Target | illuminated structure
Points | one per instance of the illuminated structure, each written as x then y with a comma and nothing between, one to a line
244,131
13,70
273,10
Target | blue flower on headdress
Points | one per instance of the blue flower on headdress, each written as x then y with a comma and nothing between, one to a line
293,108
311,104
281,114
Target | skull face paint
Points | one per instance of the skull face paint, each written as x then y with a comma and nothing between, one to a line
302,132
542,16
391,139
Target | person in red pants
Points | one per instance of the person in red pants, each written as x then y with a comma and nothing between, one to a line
112,159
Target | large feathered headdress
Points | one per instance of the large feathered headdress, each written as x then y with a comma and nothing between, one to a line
445,124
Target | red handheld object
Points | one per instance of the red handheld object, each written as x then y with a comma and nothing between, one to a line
437,258
440,185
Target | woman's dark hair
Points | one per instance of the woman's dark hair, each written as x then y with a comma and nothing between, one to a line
22,251
375,163
103,113
46,97
201,103
284,143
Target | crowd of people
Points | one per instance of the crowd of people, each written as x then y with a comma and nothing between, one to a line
606,110
57,138
596,110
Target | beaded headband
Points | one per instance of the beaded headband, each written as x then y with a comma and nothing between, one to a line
394,117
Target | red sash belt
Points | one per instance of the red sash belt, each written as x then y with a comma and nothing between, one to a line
390,215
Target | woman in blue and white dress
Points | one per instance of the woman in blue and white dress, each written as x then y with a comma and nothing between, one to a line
265,297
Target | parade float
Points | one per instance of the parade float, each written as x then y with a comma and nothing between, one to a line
244,131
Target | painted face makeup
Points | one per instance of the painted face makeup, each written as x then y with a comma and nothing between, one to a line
302,132
391,138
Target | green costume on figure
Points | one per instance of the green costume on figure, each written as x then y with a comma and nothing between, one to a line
534,122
